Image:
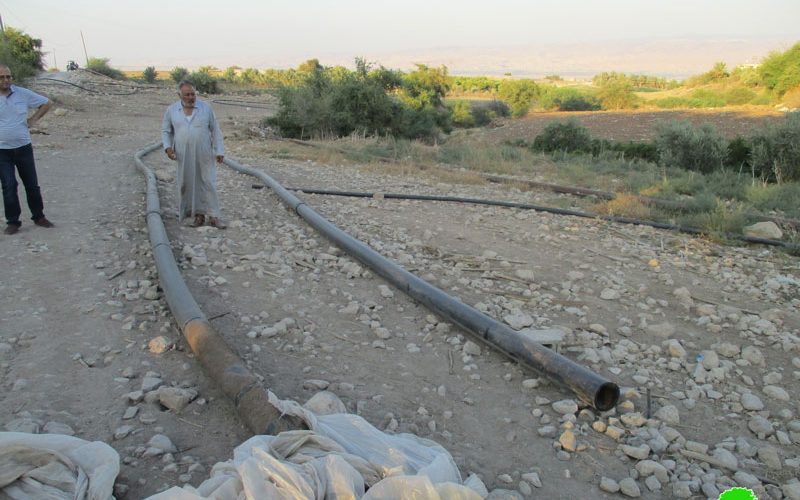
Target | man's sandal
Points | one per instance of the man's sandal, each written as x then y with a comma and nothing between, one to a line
198,221
215,222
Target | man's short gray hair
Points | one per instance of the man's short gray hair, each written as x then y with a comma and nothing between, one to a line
185,83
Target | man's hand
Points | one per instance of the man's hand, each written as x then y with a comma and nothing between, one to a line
171,154
220,158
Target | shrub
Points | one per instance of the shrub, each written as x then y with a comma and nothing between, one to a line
624,205
567,136
518,95
177,74
775,150
617,94
738,153
461,113
337,102
101,66
626,150
149,74
780,71
21,53
483,112
204,82
699,149
567,99
781,197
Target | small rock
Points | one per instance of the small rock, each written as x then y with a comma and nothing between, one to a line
609,294
122,431
568,440
565,407
159,345
609,485
668,414
163,443
751,402
628,487
765,229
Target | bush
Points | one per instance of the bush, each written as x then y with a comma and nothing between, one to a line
630,150
738,153
780,71
699,149
617,94
781,197
101,66
775,151
204,82
335,102
567,99
484,112
149,74
461,113
177,74
518,95
21,53
567,136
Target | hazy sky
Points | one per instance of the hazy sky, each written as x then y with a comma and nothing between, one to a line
282,33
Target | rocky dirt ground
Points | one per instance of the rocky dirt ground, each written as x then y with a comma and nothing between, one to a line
703,339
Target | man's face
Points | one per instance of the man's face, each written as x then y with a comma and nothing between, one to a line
188,96
5,79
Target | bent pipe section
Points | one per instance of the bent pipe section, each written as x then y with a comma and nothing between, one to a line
218,361
558,211
591,388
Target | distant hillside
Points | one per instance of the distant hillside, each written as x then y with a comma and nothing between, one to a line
672,58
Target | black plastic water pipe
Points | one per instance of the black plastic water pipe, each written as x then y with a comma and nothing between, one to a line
219,362
552,210
589,387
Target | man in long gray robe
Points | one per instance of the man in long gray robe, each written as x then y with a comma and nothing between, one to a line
190,135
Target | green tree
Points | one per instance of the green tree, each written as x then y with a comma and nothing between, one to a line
518,94
780,71
178,73
149,74
617,93
680,144
21,53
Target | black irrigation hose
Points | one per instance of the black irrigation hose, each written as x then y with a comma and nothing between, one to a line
219,362
590,387
243,104
64,82
558,211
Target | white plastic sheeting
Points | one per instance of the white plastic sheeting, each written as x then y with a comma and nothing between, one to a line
55,467
340,457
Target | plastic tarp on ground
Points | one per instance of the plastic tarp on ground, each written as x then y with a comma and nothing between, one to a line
340,457
55,467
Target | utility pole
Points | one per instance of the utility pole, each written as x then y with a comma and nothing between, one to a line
55,63
2,28
84,49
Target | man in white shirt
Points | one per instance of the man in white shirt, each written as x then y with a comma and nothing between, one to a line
191,136
16,151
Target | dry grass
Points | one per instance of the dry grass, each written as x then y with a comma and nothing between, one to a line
624,205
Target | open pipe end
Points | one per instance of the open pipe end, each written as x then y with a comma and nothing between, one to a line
607,396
